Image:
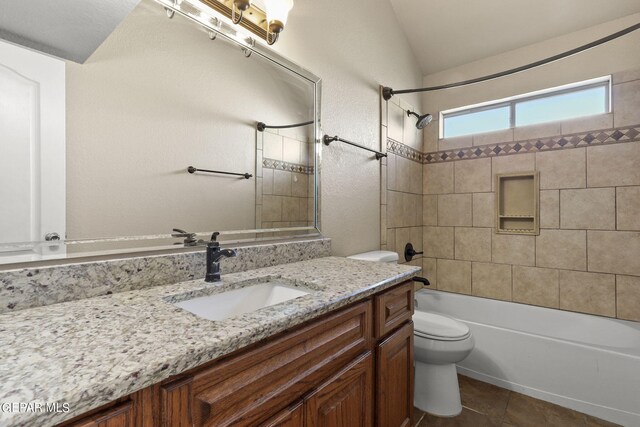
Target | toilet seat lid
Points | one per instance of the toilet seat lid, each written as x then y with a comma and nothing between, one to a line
438,326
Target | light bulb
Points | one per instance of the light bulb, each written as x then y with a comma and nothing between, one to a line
277,13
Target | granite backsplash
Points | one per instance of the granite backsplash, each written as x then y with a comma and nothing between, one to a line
39,286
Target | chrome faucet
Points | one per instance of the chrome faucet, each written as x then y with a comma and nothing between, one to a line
214,254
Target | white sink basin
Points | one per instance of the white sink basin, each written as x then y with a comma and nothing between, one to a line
242,300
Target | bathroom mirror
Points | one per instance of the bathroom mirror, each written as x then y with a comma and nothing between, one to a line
285,185
161,134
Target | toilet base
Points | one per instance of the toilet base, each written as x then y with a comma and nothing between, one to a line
436,389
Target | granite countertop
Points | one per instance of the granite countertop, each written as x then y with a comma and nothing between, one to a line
89,352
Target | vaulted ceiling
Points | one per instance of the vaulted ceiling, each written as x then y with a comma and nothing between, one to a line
447,33
69,29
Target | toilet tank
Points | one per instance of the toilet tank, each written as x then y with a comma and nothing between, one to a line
380,256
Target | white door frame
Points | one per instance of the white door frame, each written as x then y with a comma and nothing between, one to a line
49,74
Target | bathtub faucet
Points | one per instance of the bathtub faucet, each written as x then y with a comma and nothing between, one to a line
424,281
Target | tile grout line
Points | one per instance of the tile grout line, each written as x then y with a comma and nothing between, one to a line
615,208
615,294
586,250
511,299
586,168
559,209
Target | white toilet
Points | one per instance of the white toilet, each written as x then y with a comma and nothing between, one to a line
439,343
379,256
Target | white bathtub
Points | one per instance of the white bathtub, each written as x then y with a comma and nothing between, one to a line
583,362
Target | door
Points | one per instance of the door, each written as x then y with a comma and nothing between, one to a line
394,382
32,146
346,399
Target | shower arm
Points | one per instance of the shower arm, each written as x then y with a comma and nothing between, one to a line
387,92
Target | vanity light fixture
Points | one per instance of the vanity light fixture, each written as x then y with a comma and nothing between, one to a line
265,18
239,5
277,14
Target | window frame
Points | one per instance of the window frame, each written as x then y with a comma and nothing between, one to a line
513,101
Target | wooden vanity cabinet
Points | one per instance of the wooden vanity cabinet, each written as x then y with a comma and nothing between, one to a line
393,308
394,380
352,367
246,389
289,417
345,399
121,415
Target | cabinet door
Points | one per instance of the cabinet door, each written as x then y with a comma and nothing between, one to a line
290,417
346,399
394,382
176,404
119,416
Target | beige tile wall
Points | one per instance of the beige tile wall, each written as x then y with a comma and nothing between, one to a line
401,209
587,256
283,198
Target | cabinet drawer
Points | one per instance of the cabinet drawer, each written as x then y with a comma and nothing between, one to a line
248,389
393,307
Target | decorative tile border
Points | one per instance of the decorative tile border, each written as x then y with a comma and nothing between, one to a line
560,142
286,166
575,140
405,151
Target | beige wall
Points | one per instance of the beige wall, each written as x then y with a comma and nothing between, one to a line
586,257
156,97
354,47
284,183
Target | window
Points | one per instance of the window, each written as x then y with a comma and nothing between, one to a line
560,103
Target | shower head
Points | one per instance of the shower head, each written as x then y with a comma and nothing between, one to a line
423,120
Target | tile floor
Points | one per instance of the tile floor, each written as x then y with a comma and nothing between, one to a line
485,405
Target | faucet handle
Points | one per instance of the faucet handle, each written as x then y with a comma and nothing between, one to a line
180,233
213,243
190,239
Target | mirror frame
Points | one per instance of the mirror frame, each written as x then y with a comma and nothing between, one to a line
117,246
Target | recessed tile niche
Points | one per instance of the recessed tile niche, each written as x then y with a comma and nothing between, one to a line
517,203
